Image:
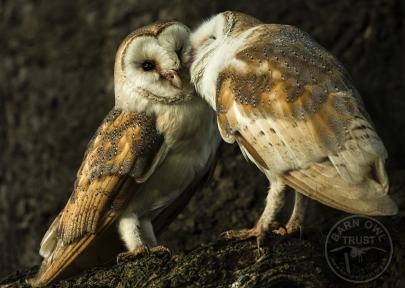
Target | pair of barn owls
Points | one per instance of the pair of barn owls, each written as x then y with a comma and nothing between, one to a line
286,101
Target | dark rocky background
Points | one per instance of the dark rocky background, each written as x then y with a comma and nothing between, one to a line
56,85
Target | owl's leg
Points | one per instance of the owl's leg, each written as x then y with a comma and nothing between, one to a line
148,236
129,228
274,202
138,236
294,224
297,217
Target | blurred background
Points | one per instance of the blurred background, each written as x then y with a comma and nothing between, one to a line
56,85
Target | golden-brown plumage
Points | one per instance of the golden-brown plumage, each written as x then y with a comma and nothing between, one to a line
293,110
309,107
150,154
119,153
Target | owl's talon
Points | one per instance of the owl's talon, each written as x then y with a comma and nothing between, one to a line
257,232
242,234
138,252
279,229
160,250
291,229
142,251
294,229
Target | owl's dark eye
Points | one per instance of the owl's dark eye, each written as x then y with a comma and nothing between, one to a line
148,65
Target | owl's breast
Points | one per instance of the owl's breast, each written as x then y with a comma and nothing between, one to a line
192,137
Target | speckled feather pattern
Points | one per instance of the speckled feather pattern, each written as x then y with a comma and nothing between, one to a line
119,149
146,160
297,85
291,106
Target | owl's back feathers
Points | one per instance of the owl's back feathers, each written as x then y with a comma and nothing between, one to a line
293,108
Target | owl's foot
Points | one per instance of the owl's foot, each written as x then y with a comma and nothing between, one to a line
258,232
138,252
142,251
291,229
241,234
160,250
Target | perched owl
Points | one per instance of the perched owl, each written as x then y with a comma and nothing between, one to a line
151,152
293,110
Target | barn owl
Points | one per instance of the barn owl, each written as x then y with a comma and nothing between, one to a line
150,153
294,112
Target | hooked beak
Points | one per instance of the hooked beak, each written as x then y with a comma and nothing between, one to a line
173,77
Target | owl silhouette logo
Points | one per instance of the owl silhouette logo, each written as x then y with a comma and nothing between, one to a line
358,249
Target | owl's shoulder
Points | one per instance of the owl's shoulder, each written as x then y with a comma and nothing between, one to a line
121,135
281,64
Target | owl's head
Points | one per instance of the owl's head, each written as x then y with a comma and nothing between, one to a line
225,24
214,44
152,65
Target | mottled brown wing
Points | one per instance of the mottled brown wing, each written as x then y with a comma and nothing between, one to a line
289,104
123,150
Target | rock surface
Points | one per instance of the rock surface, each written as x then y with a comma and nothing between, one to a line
281,262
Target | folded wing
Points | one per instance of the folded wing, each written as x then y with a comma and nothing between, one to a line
125,148
293,110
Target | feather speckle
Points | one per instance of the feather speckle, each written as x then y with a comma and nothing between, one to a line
148,157
293,110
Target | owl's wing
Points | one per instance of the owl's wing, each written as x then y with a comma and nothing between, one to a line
292,108
124,151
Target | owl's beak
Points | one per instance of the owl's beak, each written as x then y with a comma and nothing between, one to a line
173,77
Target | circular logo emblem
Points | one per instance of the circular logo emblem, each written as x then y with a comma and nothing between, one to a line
358,249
